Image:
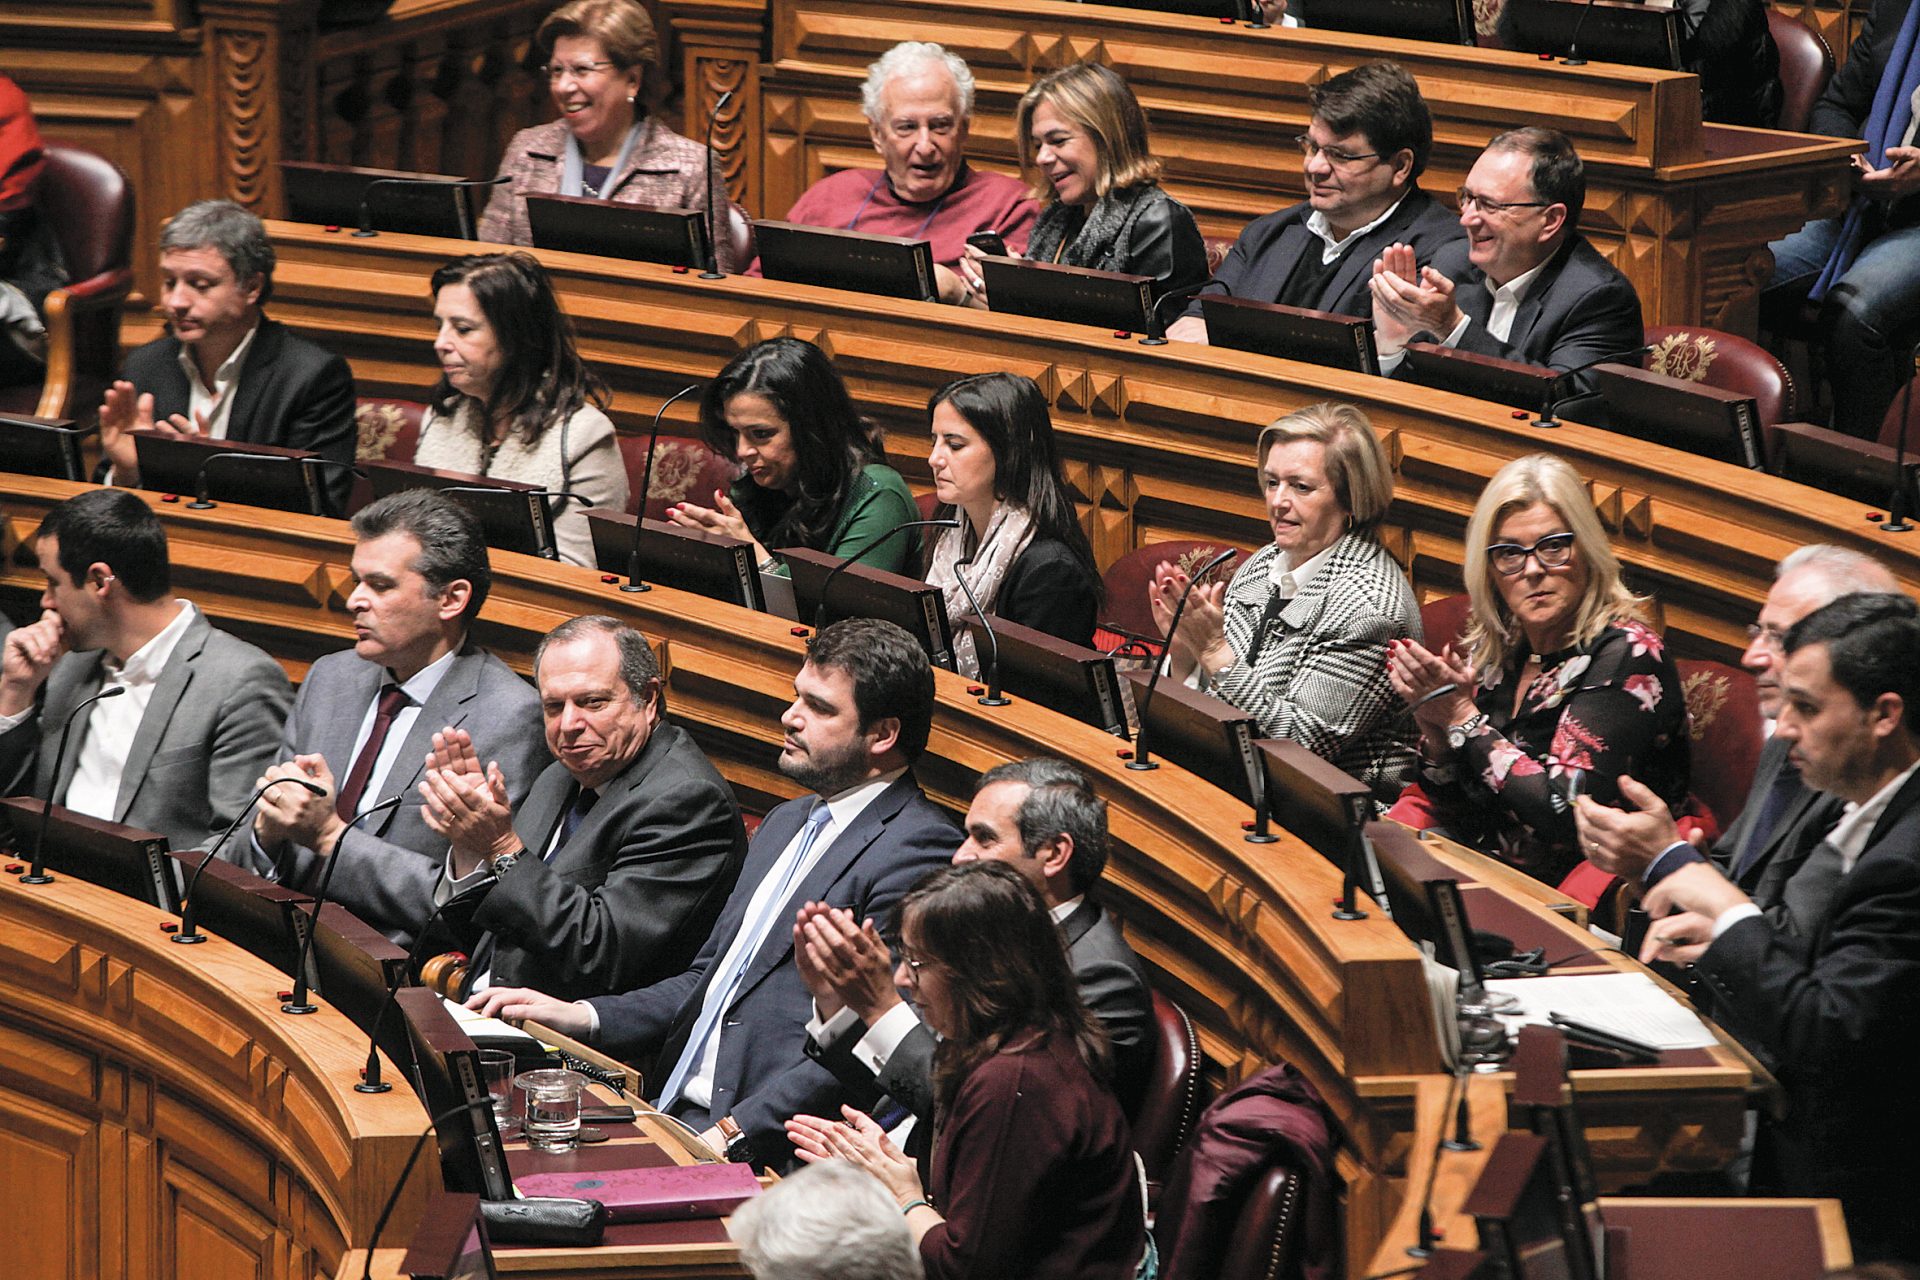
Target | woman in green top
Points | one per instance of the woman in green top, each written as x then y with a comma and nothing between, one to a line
813,473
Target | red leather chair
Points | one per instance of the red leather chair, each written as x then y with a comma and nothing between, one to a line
1723,719
1727,361
928,504
388,431
1905,406
1443,620
1217,249
89,203
1127,616
686,470
1806,64
1266,1239
1170,1098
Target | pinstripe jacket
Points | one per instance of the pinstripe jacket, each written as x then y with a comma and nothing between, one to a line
1320,676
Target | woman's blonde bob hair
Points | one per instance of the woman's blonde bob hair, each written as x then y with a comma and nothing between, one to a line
1357,466
1095,99
1492,634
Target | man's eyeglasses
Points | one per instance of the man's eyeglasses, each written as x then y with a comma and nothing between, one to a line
1553,552
1309,148
1494,208
1767,634
578,70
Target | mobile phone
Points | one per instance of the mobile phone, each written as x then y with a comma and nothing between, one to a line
991,243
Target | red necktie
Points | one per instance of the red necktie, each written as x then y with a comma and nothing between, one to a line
392,698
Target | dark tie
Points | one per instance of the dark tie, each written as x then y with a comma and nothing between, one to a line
582,806
392,698
1781,795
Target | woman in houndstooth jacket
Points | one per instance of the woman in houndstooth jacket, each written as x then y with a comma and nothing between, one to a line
1298,639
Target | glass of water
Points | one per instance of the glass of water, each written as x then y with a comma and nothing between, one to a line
552,1121
497,1068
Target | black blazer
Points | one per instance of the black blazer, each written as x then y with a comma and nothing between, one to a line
1837,1011
1264,256
1806,817
292,394
1049,589
1579,309
630,898
763,1074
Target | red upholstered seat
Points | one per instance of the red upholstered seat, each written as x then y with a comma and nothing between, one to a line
388,431
89,203
1806,64
1171,1095
1266,1239
686,470
1723,717
1726,361
1128,616
1906,404
1217,249
928,504
1443,620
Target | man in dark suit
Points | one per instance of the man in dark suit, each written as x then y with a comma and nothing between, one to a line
365,719
727,1036
223,369
199,714
1783,817
1839,1010
615,867
1524,285
1042,818
1366,145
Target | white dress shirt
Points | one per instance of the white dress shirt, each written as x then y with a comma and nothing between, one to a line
216,401
1331,248
1506,305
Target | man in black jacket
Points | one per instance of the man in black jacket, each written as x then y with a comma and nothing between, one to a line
1366,145
223,369
1870,302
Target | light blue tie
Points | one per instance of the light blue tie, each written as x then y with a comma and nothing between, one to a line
720,991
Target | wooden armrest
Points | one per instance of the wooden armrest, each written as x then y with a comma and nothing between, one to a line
63,310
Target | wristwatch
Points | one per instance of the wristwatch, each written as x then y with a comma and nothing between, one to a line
739,1148
504,863
1457,734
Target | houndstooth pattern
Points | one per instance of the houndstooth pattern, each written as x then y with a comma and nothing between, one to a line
1321,677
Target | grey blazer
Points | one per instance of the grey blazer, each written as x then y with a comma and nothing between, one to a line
390,864
1320,676
208,733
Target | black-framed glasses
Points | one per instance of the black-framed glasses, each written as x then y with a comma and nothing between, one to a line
1553,552
1309,148
913,962
578,70
1494,208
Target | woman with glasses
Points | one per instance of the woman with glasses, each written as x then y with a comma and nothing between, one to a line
1561,686
1032,1172
596,55
1083,138
1298,640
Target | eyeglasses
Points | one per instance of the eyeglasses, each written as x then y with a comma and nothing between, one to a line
1552,551
1309,148
1771,636
578,70
1494,208
907,958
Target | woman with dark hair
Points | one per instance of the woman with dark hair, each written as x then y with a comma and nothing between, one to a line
1019,544
514,401
1083,140
814,477
1032,1172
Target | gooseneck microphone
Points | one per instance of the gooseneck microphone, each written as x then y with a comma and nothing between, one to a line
186,934
1550,403
38,873
633,583
413,1158
1141,759
298,1002
1573,58
1156,326
820,610
713,271
370,1081
1429,1237
991,698
1897,512
463,216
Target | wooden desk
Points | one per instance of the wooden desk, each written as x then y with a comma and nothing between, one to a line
161,1117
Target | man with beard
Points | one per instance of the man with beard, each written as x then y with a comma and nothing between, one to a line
728,1036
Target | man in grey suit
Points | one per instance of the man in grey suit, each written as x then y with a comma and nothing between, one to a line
616,866
1764,850
176,753
1043,818
365,720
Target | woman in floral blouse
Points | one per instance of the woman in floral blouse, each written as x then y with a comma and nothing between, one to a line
1563,686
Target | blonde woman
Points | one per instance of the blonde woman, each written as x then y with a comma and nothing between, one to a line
1299,638
1563,687
1084,142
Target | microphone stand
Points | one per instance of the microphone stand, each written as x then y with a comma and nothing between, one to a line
370,1081
298,1002
633,583
462,214
1156,327
37,874
1550,403
1141,758
1897,521
820,610
713,271
1573,58
187,934
413,1158
1429,1237
991,698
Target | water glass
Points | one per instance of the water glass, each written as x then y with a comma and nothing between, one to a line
497,1069
552,1121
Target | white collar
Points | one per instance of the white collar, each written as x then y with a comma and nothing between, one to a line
1851,833
143,665
1067,908
229,368
1317,223
847,805
427,678
1290,582
1516,289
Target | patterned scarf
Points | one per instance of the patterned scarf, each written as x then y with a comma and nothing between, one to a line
1008,532
1102,239
1886,126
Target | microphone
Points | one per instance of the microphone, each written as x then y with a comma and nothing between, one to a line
1550,403
549,549
201,502
370,1081
186,933
298,1002
713,271
462,214
1429,1237
820,610
1156,327
991,698
413,1157
1141,760
38,873
633,583
1897,521
1573,58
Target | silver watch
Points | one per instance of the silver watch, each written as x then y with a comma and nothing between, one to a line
504,863
1457,734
